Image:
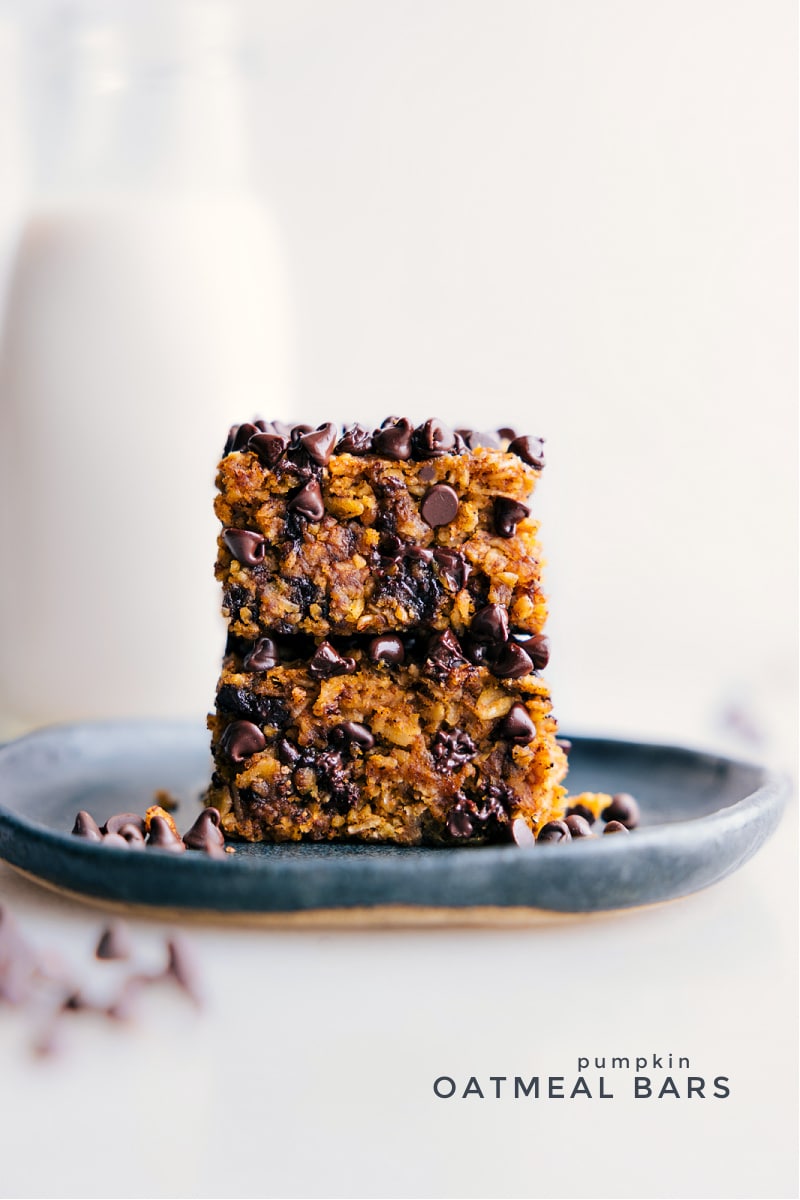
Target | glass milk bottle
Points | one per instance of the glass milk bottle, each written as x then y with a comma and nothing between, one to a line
147,311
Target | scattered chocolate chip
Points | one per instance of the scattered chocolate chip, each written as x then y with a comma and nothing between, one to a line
245,546
581,810
307,502
386,648
206,834
451,749
86,827
181,967
432,440
262,656
114,824
490,624
439,505
444,653
507,433
116,839
162,836
453,567
529,449
511,662
616,827
521,833
554,831
351,733
327,662
516,726
459,824
393,441
623,808
578,826
507,515
115,942
133,836
355,440
241,739
319,444
268,446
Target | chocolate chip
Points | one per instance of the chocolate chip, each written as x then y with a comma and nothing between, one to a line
439,505
623,808
115,942
565,744
351,733
262,656
355,440
393,441
507,515
516,726
459,824
206,835
281,428
298,431
521,833
162,836
578,826
287,753
386,648
582,810
428,473
432,440
418,554
181,967
307,502
452,749
490,624
453,567
241,739
496,802
132,835
616,827
114,824
116,839
536,647
240,435
554,831
511,662
474,439
86,827
245,546
319,444
327,662
507,433
444,653
268,446
529,449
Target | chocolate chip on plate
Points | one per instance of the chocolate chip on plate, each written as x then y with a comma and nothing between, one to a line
623,808
114,824
578,826
86,827
205,834
162,836
582,810
616,827
554,831
521,833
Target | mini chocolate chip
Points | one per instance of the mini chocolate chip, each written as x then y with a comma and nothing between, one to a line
578,826
554,831
616,827
115,942
307,502
86,827
206,834
458,823
132,835
521,833
507,515
351,733
511,662
355,440
623,808
114,824
490,624
319,444
516,726
507,433
262,656
327,662
496,802
432,440
162,837
453,567
268,446
386,648
529,449
582,810
241,739
245,546
452,749
439,505
393,441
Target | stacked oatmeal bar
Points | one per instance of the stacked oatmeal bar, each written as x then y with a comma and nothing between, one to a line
381,680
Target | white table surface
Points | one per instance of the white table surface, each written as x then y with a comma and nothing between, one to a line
310,1070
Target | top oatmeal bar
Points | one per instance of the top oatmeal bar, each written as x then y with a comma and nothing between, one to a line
357,532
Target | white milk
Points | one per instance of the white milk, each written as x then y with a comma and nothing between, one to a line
136,332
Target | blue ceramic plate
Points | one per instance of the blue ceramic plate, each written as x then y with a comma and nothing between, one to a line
703,816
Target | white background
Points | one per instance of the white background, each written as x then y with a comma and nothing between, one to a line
578,218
